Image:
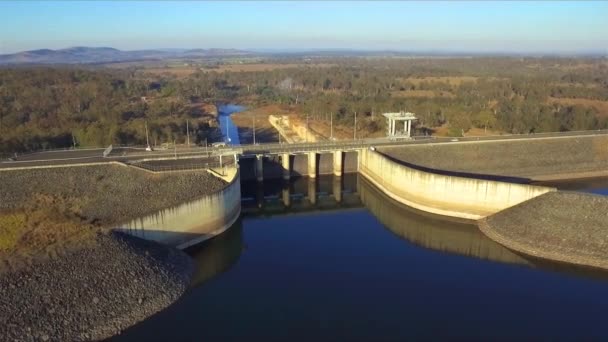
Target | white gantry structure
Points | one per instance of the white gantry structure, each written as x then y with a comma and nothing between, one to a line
391,124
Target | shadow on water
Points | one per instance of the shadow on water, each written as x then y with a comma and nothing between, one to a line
216,255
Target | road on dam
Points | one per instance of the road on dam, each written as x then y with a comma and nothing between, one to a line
130,154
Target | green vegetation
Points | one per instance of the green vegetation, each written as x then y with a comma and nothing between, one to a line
11,229
59,107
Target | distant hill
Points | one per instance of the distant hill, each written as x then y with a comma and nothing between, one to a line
88,55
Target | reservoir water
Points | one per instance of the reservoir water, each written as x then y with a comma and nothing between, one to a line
331,259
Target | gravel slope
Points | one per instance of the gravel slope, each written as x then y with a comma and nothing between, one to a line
105,194
562,226
528,159
92,292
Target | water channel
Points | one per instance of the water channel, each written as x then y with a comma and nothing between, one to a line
348,263
230,132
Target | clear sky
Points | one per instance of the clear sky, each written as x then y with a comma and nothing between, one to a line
511,26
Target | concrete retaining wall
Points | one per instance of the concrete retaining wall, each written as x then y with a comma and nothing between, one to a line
193,222
460,197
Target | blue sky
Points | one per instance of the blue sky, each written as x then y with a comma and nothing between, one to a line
524,26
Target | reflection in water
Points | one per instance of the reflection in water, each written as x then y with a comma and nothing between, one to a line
433,232
303,194
217,255
464,238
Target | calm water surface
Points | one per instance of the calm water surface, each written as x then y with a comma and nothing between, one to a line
367,269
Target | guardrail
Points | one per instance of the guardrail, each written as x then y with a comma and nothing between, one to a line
183,164
133,152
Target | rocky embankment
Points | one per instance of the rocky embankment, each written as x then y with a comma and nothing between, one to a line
104,194
562,226
93,291
63,275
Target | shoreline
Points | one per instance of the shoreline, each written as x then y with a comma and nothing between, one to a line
561,226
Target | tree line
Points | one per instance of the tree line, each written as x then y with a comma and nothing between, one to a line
51,107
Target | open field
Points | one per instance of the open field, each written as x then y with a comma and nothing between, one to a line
600,106
183,71
263,129
253,67
179,72
452,80
422,93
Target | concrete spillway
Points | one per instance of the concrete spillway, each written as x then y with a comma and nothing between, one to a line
193,222
461,197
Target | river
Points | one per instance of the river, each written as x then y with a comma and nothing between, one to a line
230,132
350,264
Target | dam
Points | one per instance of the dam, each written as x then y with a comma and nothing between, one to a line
350,240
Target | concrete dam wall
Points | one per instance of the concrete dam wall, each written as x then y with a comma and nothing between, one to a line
534,159
460,197
193,222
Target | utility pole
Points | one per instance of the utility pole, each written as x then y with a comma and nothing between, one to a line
331,126
355,128
306,126
147,139
188,132
254,128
